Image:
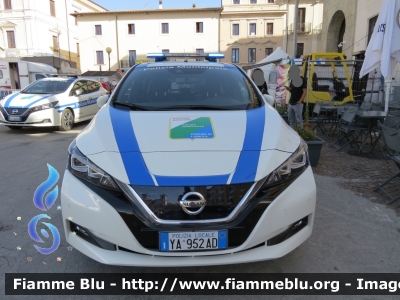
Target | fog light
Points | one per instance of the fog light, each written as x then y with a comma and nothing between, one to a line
90,237
46,121
291,231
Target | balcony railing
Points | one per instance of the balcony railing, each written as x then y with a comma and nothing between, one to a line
301,28
318,29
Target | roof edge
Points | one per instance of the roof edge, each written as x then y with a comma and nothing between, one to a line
148,11
95,3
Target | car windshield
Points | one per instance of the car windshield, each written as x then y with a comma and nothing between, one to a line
47,87
186,87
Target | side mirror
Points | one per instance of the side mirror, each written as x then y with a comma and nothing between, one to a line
78,92
269,99
102,100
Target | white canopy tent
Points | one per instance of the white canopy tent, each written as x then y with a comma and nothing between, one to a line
384,47
270,69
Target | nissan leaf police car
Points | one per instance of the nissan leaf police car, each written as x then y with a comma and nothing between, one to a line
58,102
187,165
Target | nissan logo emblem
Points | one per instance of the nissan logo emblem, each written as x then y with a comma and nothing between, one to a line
188,204
15,111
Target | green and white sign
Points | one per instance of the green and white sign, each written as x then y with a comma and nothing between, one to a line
191,128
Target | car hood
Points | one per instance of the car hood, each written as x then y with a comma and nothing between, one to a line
157,147
19,100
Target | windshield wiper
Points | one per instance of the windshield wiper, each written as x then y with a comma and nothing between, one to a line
132,106
35,93
194,107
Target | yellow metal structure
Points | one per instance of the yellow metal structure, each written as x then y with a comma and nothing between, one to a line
329,58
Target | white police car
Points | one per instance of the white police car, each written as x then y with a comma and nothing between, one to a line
187,165
59,102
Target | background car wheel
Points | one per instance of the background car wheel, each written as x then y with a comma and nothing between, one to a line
14,127
67,120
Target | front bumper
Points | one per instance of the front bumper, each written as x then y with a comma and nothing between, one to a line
84,207
44,118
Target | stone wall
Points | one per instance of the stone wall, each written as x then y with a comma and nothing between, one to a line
332,22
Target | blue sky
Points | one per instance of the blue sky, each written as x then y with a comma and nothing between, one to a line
153,4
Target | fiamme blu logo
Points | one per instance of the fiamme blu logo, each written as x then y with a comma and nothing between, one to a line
44,198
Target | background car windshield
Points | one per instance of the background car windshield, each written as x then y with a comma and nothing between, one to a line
158,87
47,87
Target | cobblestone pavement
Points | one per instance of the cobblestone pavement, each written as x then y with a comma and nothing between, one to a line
361,173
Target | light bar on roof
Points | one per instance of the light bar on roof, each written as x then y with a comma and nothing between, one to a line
212,57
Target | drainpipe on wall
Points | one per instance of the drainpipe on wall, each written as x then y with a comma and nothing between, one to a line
26,30
66,17
287,31
116,35
296,19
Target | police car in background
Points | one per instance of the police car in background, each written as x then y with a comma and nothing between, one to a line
59,102
187,165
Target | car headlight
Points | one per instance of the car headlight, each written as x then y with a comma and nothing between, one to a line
82,167
296,164
44,106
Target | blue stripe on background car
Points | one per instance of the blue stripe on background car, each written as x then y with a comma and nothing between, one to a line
31,104
10,99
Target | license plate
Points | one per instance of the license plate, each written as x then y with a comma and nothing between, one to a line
10,118
193,240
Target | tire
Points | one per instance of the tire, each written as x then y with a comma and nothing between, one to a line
67,120
14,127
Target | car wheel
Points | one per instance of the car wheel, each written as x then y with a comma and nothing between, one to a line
67,120
14,127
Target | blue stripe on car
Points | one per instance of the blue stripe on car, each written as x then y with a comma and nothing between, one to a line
75,105
6,105
246,168
30,104
192,180
124,133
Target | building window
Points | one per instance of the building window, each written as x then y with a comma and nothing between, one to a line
132,57
268,51
99,57
300,50
253,1
76,18
271,1
252,54
98,29
52,8
302,20
236,1
201,52
235,55
11,39
7,4
1,74
235,29
77,50
55,43
131,28
199,27
164,28
252,29
371,26
270,28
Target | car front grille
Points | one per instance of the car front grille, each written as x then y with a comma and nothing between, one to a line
164,202
20,112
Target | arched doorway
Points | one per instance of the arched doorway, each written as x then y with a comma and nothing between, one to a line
336,30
